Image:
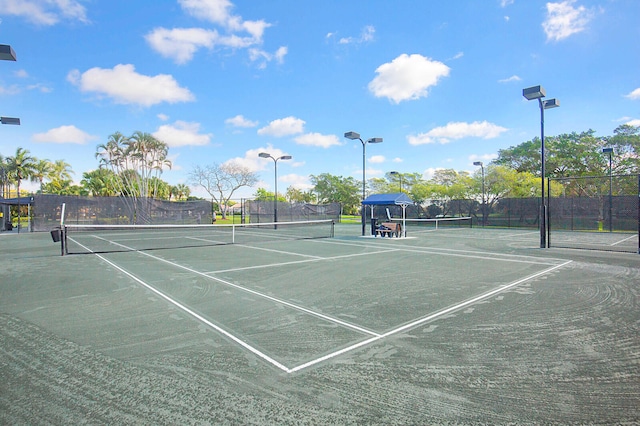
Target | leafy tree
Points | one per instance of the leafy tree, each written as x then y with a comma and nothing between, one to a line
100,182
337,189
180,191
575,154
222,180
294,195
626,146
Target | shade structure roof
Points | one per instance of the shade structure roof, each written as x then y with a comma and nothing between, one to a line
394,199
23,201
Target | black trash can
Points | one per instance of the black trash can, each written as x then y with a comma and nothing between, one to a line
55,235
374,225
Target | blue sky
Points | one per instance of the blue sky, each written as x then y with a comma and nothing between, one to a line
222,80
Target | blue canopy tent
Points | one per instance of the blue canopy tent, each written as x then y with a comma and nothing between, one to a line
395,199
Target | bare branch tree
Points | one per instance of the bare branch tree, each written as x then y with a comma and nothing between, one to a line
222,180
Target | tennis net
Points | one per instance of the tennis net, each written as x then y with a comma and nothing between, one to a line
418,225
122,238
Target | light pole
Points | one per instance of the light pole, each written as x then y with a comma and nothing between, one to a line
399,174
610,152
353,136
275,169
538,92
481,164
6,54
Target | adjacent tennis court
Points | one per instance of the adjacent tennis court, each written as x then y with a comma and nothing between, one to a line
317,325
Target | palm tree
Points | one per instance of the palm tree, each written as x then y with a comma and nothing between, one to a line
41,170
21,166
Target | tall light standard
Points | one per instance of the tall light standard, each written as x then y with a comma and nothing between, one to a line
399,174
353,136
275,169
538,92
6,54
481,164
610,152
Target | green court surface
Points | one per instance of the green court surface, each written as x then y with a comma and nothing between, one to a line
447,326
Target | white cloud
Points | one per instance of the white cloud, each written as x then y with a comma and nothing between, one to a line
457,130
182,133
505,3
180,44
125,86
264,57
430,172
64,134
219,12
634,122
563,20
240,121
21,74
253,162
283,127
510,79
407,77
634,94
316,139
366,35
44,12
397,160
163,117
377,159
297,181
485,158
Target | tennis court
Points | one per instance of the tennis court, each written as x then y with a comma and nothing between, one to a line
449,325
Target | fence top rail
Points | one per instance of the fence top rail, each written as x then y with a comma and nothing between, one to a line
593,177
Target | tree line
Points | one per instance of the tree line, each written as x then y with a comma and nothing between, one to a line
131,166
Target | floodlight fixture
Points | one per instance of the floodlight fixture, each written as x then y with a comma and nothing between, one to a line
607,150
7,53
550,103
10,120
535,92
352,135
374,140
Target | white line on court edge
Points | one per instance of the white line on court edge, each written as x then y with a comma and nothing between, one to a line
428,318
192,313
622,241
504,257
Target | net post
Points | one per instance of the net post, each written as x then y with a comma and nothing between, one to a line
63,231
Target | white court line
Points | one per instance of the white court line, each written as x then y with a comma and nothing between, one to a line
504,257
622,241
293,262
426,319
192,313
